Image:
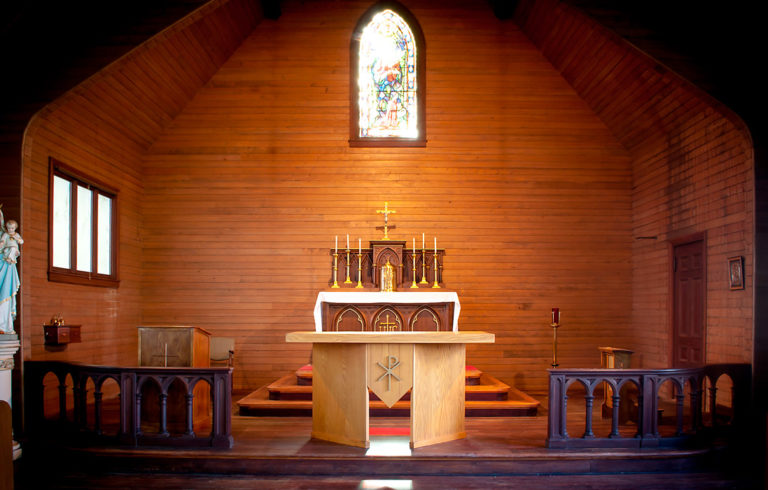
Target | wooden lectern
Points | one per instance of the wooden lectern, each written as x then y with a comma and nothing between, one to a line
430,364
175,346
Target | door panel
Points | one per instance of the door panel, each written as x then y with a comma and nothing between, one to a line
688,316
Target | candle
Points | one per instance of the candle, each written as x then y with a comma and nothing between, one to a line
359,246
336,247
555,315
435,245
423,243
347,241
414,249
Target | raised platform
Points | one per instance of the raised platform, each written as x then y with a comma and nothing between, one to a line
282,447
485,395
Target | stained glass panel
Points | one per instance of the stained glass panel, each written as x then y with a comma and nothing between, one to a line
387,79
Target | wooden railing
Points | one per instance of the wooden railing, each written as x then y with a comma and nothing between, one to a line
648,383
130,381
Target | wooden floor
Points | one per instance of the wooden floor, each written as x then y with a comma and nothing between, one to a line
277,452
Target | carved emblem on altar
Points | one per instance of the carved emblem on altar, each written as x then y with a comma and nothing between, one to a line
390,371
392,363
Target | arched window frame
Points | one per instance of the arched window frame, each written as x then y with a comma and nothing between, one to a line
355,140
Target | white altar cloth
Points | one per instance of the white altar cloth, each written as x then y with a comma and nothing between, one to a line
358,297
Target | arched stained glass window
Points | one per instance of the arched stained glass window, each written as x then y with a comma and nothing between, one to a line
387,76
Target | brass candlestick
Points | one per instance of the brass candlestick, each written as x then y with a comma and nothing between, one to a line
423,267
359,271
435,285
335,269
413,284
555,326
348,281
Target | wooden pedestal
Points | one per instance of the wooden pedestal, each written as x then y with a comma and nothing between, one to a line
346,364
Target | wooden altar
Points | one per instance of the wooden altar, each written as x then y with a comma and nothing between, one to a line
347,364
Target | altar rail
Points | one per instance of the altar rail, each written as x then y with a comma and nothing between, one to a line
130,381
648,383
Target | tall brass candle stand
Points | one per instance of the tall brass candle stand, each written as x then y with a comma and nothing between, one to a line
348,281
555,326
423,266
413,284
435,285
335,269
359,271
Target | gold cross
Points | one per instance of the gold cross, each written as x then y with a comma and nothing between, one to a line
386,212
388,326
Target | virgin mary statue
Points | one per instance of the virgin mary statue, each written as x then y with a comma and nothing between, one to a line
10,241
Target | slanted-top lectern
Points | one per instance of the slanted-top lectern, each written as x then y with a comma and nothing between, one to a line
430,364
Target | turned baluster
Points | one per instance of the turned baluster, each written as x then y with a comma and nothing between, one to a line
588,434
190,428
97,395
163,414
680,397
615,421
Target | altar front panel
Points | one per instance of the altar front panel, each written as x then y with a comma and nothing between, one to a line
387,311
387,317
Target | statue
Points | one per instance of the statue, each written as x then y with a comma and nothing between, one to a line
388,277
10,246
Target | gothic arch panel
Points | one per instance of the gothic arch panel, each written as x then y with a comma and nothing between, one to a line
424,320
387,319
349,320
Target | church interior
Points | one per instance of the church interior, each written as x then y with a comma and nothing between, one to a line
587,186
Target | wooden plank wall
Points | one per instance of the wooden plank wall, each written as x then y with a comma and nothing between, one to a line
246,189
692,164
103,127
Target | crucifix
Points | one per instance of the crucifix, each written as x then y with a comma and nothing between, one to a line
386,212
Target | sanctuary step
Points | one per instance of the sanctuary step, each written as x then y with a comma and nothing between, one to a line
485,396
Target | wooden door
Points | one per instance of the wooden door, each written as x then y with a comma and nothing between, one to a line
689,280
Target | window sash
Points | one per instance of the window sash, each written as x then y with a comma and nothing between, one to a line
91,231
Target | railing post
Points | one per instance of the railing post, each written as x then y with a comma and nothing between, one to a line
189,403
63,399
97,394
555,426
616,399
79,396
696,414
221,392
650,408
564,416
164,414
640,409
588,434
137,414
128,421
680,398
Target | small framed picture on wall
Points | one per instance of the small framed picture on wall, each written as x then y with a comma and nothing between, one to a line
736,272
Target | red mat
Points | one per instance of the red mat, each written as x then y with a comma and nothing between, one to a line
389,431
